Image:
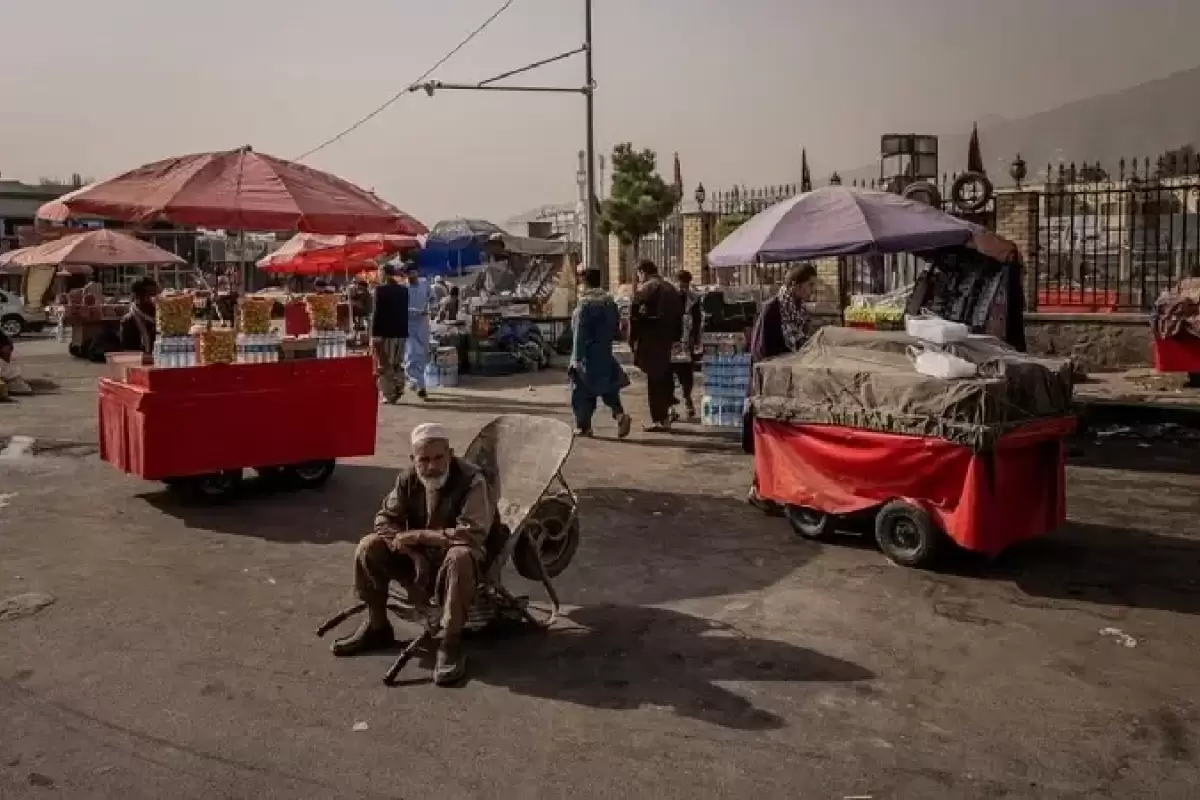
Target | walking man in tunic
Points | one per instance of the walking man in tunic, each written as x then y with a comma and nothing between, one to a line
416,350
389,331
430,537
595,373
656,324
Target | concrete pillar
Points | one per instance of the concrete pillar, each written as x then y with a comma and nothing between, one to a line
1017,220
618,263
697,241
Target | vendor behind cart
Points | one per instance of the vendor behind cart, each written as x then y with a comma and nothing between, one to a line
783,326
138,327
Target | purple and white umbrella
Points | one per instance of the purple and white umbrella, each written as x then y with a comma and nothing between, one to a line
840,221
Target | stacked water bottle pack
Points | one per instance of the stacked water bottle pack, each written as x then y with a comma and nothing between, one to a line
257,348
442,369
175,351
330,344
727,368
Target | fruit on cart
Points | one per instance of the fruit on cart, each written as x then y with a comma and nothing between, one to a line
256,314
174,314
874,315
218,346
322,311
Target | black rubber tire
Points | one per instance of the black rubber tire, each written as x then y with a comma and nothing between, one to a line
310,474
219,488
977,204
808,523
559,544
12,325
923,192
907,535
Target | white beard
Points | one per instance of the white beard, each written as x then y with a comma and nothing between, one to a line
433,484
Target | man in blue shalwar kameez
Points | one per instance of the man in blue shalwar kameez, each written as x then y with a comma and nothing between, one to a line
416,347
595,373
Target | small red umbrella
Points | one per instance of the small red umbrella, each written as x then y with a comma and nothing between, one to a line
237,190
312,253
308,268
82,251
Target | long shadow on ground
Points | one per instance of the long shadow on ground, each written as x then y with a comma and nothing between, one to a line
621,658
1107,565
638,546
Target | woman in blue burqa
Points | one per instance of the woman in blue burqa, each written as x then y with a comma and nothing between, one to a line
416,347
594,372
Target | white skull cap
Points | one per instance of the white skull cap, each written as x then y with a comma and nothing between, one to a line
429,432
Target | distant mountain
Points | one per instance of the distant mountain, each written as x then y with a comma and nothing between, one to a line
1140,122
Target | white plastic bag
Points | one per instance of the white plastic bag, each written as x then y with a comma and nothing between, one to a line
937,364
936,330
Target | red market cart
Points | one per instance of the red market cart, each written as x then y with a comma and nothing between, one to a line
916,487
848,427
198,428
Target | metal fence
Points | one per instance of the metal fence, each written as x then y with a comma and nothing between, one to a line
665,246
1105,242
1111,243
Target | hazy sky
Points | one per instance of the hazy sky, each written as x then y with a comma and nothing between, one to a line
736,86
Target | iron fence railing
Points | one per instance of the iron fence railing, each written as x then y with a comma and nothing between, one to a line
1105,241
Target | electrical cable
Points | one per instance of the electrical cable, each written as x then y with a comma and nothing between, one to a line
412,85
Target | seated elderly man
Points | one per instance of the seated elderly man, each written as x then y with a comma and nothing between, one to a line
429,537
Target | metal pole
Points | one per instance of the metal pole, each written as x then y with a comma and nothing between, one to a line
589,97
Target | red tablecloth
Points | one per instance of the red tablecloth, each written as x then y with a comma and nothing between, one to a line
170,423
984,502
1177,355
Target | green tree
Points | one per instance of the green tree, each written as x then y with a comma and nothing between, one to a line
640,199
730,223
1178,162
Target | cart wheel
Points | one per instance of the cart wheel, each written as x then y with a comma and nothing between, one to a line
906,534
557,541
216,487
808,523
309,474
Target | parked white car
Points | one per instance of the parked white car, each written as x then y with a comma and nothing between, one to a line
16,318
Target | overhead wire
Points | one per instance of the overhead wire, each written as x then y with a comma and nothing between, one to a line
411,85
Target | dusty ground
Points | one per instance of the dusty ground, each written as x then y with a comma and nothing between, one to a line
708,652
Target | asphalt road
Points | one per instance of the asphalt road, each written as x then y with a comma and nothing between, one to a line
166,651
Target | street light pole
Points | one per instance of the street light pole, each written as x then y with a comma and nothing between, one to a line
590,254
588,90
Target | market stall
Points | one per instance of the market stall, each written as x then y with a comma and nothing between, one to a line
939,431
92,319
211,400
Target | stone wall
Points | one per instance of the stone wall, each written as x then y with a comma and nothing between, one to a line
1097,342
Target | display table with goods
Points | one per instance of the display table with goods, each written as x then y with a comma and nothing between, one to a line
93,323
726,374
218,400
505,342
884,312
1176,327
854,425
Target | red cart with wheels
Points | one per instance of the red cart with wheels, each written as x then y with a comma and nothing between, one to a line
847,428
916,488
199,428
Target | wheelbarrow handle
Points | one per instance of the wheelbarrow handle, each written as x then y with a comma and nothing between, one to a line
389,677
